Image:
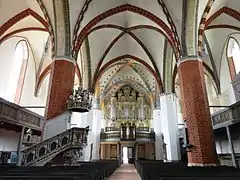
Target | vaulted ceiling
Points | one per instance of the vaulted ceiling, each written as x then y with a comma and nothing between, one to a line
119,42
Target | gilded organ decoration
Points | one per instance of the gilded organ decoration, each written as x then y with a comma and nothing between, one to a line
127,106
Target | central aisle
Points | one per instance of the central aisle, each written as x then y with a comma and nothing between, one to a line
125,172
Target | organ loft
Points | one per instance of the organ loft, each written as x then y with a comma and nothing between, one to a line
127,113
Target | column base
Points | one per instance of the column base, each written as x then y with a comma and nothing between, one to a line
201,165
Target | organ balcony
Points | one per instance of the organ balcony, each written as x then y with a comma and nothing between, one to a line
139,134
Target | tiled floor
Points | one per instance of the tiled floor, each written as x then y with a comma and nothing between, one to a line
125,172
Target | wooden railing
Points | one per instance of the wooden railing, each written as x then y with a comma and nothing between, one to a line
145,136
143,129
114,134
44,151
111,129
12,113
227,116
110,136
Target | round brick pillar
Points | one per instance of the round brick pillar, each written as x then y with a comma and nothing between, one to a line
61,83
197,113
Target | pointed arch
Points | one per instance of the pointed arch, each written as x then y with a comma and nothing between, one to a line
28,12
128,56
229,11
202,25
206,67
46,71
126,7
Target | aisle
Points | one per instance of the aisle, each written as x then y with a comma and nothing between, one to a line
125,172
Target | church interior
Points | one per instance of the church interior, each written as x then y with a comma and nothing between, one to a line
120,89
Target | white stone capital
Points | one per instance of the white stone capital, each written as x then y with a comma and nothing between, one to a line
188,58
64,58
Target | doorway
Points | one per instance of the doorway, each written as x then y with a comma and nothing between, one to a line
127,155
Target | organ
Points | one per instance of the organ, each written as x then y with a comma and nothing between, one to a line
127,106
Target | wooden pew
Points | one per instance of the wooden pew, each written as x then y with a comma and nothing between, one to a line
84,171
151,170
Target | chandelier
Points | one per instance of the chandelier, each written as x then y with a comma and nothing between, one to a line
79,101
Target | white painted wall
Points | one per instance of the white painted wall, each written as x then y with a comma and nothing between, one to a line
156,124
95,132
93,119
169,124
9,140
7,49
80,120
56,125
89,121
227,96
83,120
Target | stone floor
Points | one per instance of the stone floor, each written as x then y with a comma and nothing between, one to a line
125,172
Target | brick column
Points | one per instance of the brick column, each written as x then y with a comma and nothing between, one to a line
61,83
197,113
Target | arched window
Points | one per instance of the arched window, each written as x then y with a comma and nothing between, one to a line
17,71
234,53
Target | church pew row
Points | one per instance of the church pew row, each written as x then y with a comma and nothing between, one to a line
157,170
85,171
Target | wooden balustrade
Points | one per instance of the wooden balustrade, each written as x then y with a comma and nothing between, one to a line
226,116
12,113
75,138
114,134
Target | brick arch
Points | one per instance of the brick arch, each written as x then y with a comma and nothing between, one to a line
224,26
28,12
206,67
50,26
204,24
47,71
127,56
41,78
116,10
80,19
128,31
229,11
17,18
5,37
171,23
